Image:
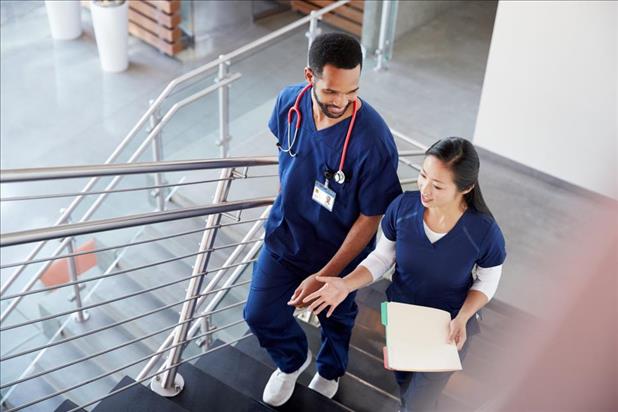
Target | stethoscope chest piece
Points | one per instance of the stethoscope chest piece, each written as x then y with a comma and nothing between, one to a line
339,177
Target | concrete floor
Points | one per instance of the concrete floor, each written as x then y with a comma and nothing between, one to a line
57,105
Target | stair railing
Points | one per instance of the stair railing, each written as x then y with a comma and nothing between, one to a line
220,205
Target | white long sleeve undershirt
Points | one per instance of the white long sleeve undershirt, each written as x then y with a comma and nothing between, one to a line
383,258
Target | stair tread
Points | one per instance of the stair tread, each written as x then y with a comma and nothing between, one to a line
368,368
67,405
351,393
138,398
31,390
249,375
75,374
204,392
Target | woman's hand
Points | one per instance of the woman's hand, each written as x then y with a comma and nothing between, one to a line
331,294
309,285
457,332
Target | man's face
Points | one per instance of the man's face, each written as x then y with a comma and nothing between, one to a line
335,89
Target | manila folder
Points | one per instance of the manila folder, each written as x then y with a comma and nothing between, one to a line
417,339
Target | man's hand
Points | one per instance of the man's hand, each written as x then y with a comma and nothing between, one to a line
307,287
331,294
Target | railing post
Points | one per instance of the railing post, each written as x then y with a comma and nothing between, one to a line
314,31
206,326
383,42
170,383
224,109
80,315
157,155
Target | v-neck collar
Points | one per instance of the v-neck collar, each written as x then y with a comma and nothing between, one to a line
421,219
308,101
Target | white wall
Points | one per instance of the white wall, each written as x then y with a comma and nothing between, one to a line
549,95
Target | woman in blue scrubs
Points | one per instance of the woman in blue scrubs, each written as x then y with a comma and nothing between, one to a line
436,238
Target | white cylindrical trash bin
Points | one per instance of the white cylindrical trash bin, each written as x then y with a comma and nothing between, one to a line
111,29
65,19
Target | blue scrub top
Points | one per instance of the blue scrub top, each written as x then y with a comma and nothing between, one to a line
438,275
300,230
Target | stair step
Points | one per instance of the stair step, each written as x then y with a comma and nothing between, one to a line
368,340
368,368
448,404
137,398
150,277
112,338
249,375
75,374
31,390
142,303
186,244
352,393
466,390
204,392
374,294
67,405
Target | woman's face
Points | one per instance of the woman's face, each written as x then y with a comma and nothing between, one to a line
436,184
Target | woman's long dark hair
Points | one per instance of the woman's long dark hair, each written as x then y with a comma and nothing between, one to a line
459,155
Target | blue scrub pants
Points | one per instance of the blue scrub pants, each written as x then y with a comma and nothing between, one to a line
271,319
419,391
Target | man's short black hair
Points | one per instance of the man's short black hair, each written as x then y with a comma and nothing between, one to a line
338,49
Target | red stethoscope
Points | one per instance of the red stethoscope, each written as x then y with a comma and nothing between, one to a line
339,176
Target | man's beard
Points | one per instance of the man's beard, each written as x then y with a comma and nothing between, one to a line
324,107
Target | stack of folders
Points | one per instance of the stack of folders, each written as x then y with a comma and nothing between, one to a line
417,339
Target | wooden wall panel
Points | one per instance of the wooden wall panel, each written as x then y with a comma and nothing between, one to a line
348,17
157,23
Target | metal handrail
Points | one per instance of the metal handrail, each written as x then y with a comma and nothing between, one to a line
209,287
139,242
131,189
408,181
138,152
110,275
125,344
105,302
408,163
94,331
98,170
410,153
409,140
76,229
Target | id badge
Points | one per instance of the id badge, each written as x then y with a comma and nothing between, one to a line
324,196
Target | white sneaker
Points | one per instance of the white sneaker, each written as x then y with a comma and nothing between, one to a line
324,386
280,386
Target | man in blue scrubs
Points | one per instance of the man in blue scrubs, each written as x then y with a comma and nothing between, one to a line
338,174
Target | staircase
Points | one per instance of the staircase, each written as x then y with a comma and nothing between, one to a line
232,377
